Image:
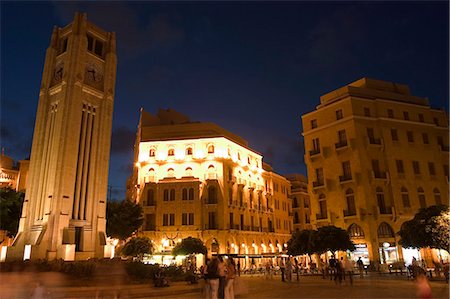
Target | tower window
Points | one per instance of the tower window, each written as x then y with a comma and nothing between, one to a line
98,48
366,111
405,115
90,40
339,114
211,149
189,151
152,153
313,123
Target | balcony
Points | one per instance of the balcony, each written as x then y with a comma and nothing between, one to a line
341,144
348,213
314,152
318,184
321,216
345,178
385,210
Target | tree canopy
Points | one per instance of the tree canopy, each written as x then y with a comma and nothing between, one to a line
302,242
188,246
428,228
137,246
123,219
11,203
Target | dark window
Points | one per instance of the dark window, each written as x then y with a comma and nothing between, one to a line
191,219
191,194
416,167
166,195
165,219
431,168
231,220
78,237
342,137
366,111
437,196
436,121
394,135
98,48
421,195
350,199
150,197
390,113
339,114
150,222
172,194
184,219
421,118
425,138
184,194
242,222
405,115
399,164
322,207
385,231
212,195
346,169
446,170
313,123
212,220
405,197
171,219
410,136
152,153
90,43
355,231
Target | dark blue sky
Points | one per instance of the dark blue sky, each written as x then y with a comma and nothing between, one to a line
252,67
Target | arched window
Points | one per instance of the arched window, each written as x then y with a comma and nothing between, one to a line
385,231
172,194
437,196
191,194
166,195
248,160
405,197
211,149
322,207
152,152
296,217
295,203
421,196
350,199
170,173
188,151
188,171
184,194
212,195
171,152
355,231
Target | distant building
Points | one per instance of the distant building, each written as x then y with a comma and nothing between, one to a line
13,175
375,154
300,201
197,179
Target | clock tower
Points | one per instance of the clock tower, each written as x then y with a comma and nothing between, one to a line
65,203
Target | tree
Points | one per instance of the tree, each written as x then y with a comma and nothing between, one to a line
428,228
123,219
332,238
302,242
188,246
11,203
137,246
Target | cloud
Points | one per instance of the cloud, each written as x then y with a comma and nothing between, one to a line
122,140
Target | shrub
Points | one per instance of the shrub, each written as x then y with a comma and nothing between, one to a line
79,269
139,271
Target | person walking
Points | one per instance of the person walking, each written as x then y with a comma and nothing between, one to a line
231,275
289,270
348,268
282,269
213,278
360,267
222,271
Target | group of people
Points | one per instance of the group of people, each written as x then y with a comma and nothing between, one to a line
219,278
339,269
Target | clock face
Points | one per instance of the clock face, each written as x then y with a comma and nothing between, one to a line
59,71
93,72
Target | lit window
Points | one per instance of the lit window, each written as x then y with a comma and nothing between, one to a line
189,151
211,149
152,152
171,152
170,172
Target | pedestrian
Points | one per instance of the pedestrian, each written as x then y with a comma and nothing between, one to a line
423,286
213,277
360,267
222,271
338,272
342,264
239,267
348,268
282,269
289,270
332,268
267,272
39,292
231,275
297,268
204,273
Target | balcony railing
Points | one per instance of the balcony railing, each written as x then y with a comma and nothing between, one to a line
341,144
385,210
345,178
314,152
318,184
348,213
320,216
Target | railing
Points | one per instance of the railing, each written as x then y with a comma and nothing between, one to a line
320,216
349,213
340,144
345,178
314,152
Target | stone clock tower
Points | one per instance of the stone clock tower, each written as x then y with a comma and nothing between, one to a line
65,204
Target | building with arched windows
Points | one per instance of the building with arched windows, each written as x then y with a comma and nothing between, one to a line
375,154
198,180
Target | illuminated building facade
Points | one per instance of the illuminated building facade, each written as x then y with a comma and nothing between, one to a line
197,179
301,207
375,154
13,175
65,204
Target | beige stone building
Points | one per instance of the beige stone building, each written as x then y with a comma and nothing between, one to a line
13,175
197,179
301,207
375,154
65,203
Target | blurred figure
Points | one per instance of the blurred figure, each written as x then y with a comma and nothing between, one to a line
289,270
360,267
423,286
213,277
231,274
348,268
39,291
222,271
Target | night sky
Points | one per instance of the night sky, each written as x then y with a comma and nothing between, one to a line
251,67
